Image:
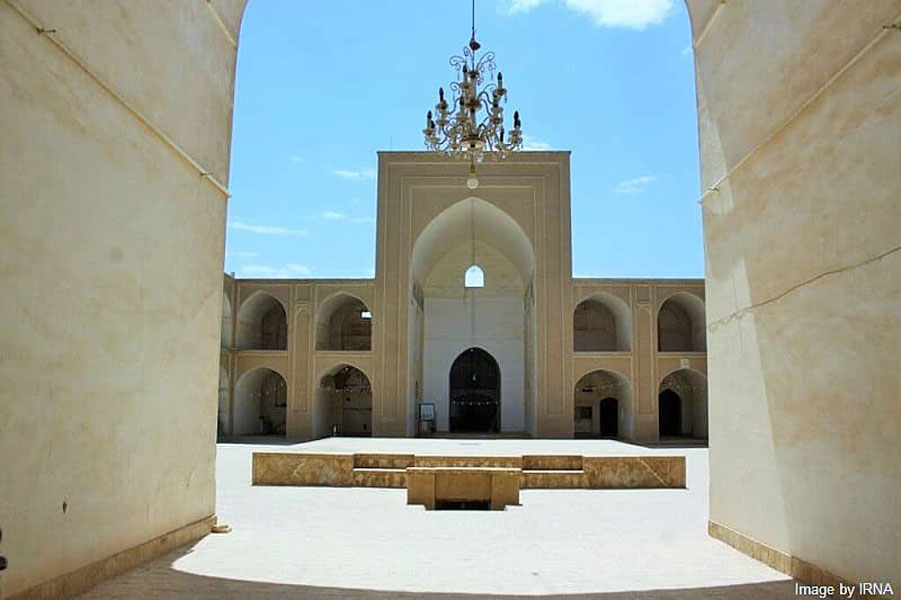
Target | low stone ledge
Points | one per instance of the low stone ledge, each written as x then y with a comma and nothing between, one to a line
286,468
430,486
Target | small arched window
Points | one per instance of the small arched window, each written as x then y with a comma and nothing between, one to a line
474,277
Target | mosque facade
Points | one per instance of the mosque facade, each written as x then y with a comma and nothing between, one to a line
473,324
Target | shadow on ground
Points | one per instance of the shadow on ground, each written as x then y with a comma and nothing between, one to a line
159,579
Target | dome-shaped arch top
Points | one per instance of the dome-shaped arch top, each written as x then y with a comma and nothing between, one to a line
467,219
602,323
343,323
681,324
262,323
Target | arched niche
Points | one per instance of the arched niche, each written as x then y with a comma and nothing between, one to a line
602,323
343,323
262,324
682,404
593,396
681,325
261,400
225,330
342,403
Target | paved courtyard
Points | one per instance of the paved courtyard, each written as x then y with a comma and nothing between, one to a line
367,543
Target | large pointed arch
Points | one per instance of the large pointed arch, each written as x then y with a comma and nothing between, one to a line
459,223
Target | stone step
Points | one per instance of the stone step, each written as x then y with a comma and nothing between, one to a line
552,462
509,462
380,477
552,479
383,461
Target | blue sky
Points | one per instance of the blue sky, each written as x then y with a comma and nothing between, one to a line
322,86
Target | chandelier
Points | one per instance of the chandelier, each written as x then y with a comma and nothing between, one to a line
473,123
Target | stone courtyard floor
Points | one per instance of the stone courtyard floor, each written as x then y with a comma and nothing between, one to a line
291,542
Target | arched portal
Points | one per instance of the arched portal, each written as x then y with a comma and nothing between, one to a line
682,406
343,403
681,324
261,400
475,392
603,405
472,269
602,323
262,324
343,323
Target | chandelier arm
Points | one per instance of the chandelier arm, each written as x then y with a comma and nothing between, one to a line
486,62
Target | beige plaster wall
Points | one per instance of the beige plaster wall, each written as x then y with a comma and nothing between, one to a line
112,246
799,109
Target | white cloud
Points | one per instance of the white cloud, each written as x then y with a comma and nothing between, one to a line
360,175
265,229
628,14
530,143
686,51
639,185
518,6
288,271
331,215
296,158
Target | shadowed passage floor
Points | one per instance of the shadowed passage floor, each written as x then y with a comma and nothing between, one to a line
312,542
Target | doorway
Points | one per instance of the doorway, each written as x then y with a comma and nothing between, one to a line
609,417
670,413
475,393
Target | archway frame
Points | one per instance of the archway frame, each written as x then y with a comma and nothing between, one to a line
244,305
695,308
241,379
622,314
318,427
625,395
696,414
328,306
